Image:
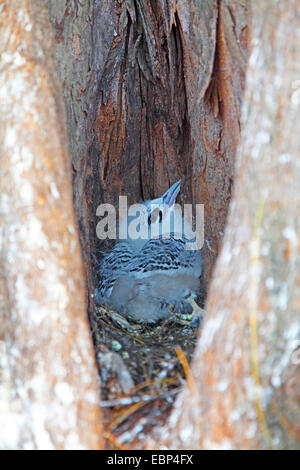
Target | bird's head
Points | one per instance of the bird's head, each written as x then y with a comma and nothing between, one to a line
159,212
152,218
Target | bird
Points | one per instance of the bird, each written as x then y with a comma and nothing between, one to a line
143,277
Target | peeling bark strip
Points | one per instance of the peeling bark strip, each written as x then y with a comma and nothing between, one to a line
245,367
49,390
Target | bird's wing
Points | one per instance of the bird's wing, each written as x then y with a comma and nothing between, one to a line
158,256
118,259
113,265
161,255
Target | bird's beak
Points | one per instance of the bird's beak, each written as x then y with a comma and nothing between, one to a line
170,196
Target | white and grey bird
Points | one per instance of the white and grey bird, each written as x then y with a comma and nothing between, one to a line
142,277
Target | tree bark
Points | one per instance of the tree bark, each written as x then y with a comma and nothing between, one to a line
246,368
49,387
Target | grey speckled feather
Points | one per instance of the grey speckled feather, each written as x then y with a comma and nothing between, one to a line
143,278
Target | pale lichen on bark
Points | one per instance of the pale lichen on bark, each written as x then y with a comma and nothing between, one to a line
49,390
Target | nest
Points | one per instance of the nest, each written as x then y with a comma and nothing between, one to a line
142,369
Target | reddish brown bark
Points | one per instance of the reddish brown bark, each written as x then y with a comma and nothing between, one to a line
49,386
245,370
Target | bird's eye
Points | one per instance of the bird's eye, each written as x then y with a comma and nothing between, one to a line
154,216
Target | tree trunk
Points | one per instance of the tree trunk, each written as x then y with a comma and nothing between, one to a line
49,391
246,367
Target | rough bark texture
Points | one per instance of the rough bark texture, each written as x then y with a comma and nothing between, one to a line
49,392
153,93
246,376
